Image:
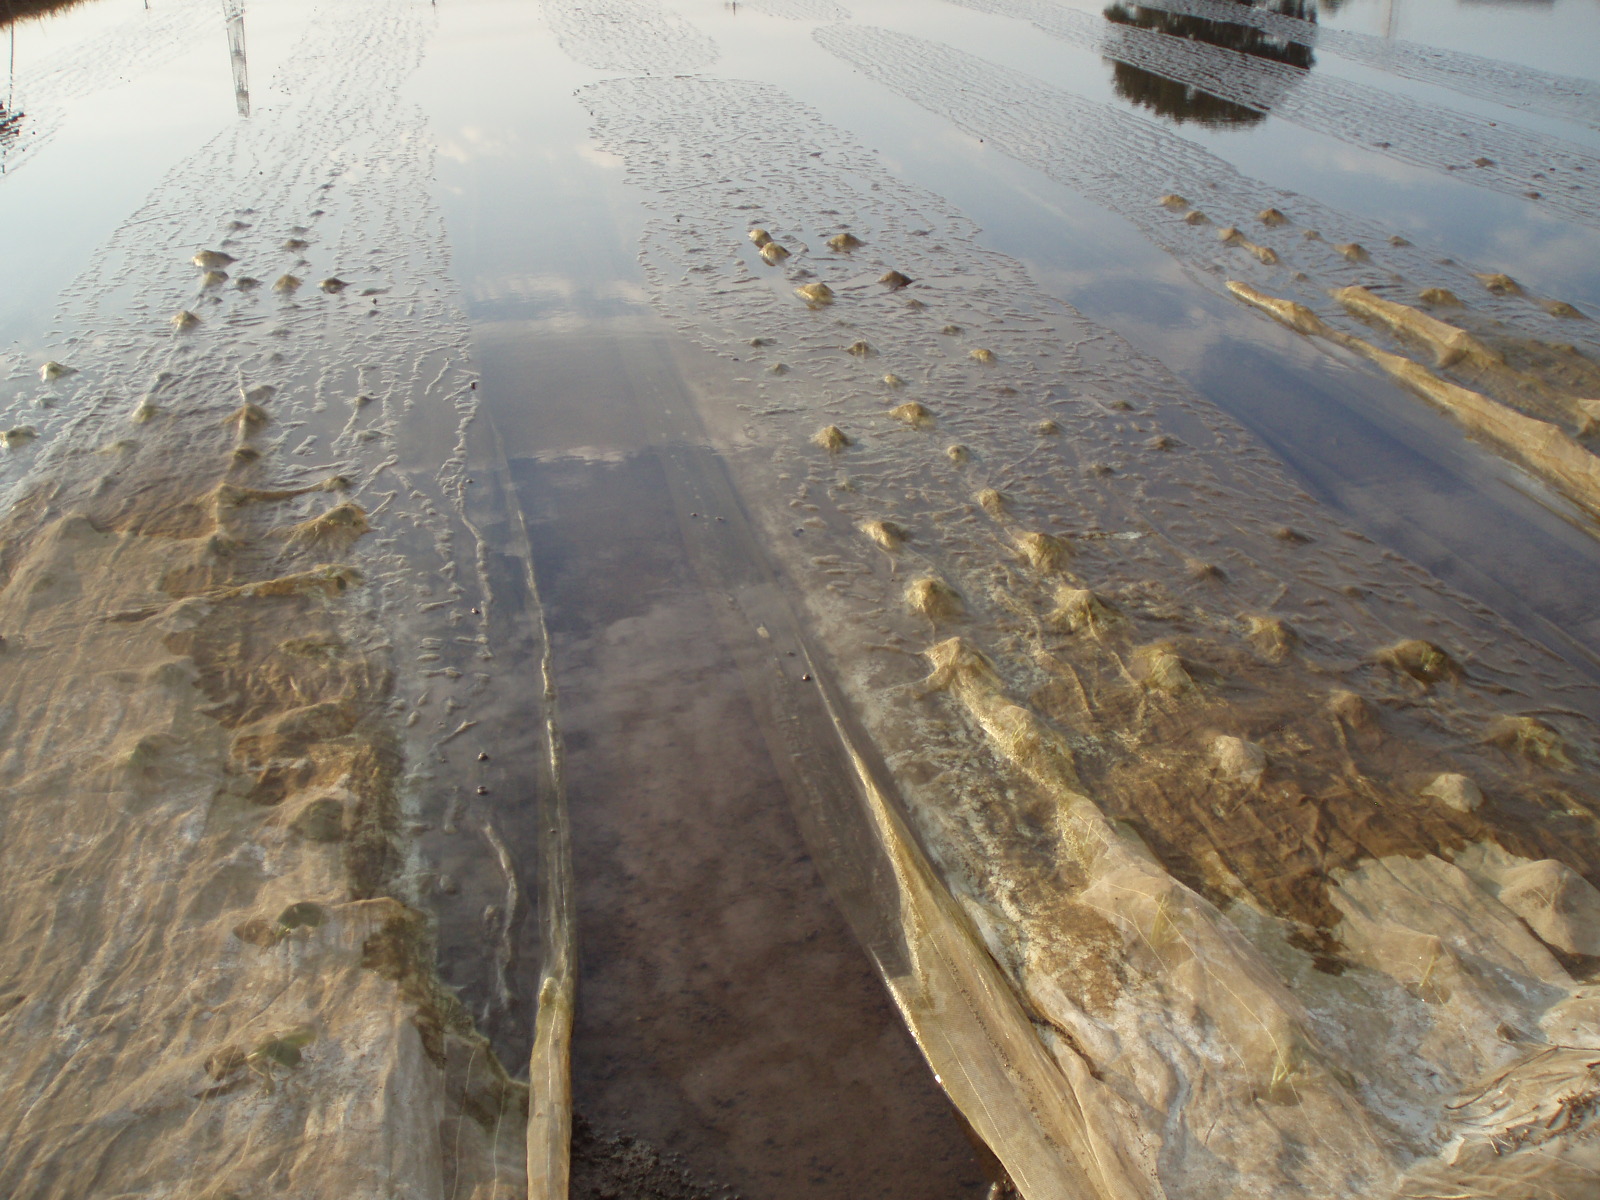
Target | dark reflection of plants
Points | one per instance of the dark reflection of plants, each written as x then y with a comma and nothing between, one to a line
10,127
1180,101
12,11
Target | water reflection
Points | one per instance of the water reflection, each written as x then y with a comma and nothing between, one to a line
233,11
10,118
1184,102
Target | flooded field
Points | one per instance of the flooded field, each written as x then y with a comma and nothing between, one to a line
692,600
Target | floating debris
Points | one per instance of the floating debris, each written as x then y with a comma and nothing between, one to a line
1421,661
211,260
1047,429
1079,610
1352,710
338,528
333,285
981,355
280,1050
143,412
1272,637
328,579
295,245
772,253
1196,217
957,453
1439,297
245,283
831,438
304,914
934,599
894,381
185,320
845,242
1173,201
53,370
886,533
1396,240
778,368
952,331
1500,285
1530,738
1232,237
1455,791
1236,759
760,237
1043,551
913,413
1159,668
287,283
1449,344
213,279
1354,251
992,502
19,436
1295,315
1271,217
894,281
762,341
1560,308
815,294
248,416
860,349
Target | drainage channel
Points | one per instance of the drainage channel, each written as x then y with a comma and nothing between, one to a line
731,1036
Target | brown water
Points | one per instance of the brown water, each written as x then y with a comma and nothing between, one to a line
576,209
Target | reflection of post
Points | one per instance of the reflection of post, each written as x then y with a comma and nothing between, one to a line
233,10
10,118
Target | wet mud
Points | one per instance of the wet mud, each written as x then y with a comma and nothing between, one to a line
1306,618
1538,363
262,520
725,1012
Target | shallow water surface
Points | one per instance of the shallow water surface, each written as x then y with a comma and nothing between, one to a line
724,719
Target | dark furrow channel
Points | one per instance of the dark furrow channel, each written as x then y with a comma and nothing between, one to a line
731,1036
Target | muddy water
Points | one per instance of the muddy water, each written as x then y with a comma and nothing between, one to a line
582,433
728,1020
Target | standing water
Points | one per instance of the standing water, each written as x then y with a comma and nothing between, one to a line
681,598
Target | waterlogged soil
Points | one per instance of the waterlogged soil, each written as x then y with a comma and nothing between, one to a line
939,598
